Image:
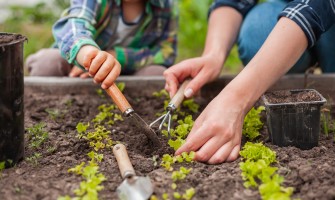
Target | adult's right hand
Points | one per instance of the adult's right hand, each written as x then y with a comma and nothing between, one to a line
201,69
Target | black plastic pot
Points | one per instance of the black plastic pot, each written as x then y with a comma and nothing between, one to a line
11,98
295,123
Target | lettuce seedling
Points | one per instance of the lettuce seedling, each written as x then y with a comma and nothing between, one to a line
121,86
181,174
272,189
189,193
175,144
257,151
252,123
162,93
191,105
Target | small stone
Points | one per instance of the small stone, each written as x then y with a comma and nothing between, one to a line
19,171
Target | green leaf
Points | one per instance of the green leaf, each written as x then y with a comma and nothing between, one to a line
121,86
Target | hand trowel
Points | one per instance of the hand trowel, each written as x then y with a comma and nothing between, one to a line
133,187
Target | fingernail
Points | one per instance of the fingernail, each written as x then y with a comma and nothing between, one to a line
94,81
188,93
71,75
104,86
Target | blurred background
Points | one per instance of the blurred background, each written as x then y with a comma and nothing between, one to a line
34,19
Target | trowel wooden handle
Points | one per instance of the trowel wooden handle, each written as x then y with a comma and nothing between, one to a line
179,96
122,158
118,98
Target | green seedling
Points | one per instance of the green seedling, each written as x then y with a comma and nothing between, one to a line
161,94
91,185
68,103
326,121
168,160
51,149
37,135
252,123
189,193
2,166
101,93
56,114
257,151
257,172
121,86
34,158
191,105
181,174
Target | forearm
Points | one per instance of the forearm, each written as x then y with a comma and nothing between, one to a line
224,24
279,53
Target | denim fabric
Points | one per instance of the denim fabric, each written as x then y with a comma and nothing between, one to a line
259,22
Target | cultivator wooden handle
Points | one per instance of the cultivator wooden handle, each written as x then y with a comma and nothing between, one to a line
122,158
179,96
118,98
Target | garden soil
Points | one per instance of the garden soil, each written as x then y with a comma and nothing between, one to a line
310,172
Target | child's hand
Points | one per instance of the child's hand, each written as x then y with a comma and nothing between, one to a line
78,72
102,66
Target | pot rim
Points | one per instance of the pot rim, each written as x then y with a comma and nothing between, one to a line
20,40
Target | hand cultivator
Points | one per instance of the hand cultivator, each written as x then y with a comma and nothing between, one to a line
126,109
172,106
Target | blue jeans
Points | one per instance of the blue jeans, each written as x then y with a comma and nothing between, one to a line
258,24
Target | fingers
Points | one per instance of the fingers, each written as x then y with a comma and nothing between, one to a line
102,66
109,80
75,72
222,154
97,63
171,84
86,55
234,153
195,142
176,74
195,84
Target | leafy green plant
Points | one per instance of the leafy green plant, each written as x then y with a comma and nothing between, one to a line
2,166
252,123
34,158
107,115
191,105
257,151
55,114
98,139
168,160
37,135
91,185
161,94
256,170
181,174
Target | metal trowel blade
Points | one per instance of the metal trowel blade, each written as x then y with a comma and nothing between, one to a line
135,188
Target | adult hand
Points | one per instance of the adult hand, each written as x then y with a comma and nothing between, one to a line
77,72
201,69
216,134
101,65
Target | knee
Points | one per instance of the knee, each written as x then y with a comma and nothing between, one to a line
47,62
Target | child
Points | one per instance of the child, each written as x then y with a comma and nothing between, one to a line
110,37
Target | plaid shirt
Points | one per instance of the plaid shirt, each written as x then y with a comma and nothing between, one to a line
94,22
313,16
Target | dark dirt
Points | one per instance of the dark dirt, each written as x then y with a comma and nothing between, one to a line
9,38
287,96
311,172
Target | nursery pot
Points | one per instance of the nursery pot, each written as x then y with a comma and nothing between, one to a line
11,98
294,122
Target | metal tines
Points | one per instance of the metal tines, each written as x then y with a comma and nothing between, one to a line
172,106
